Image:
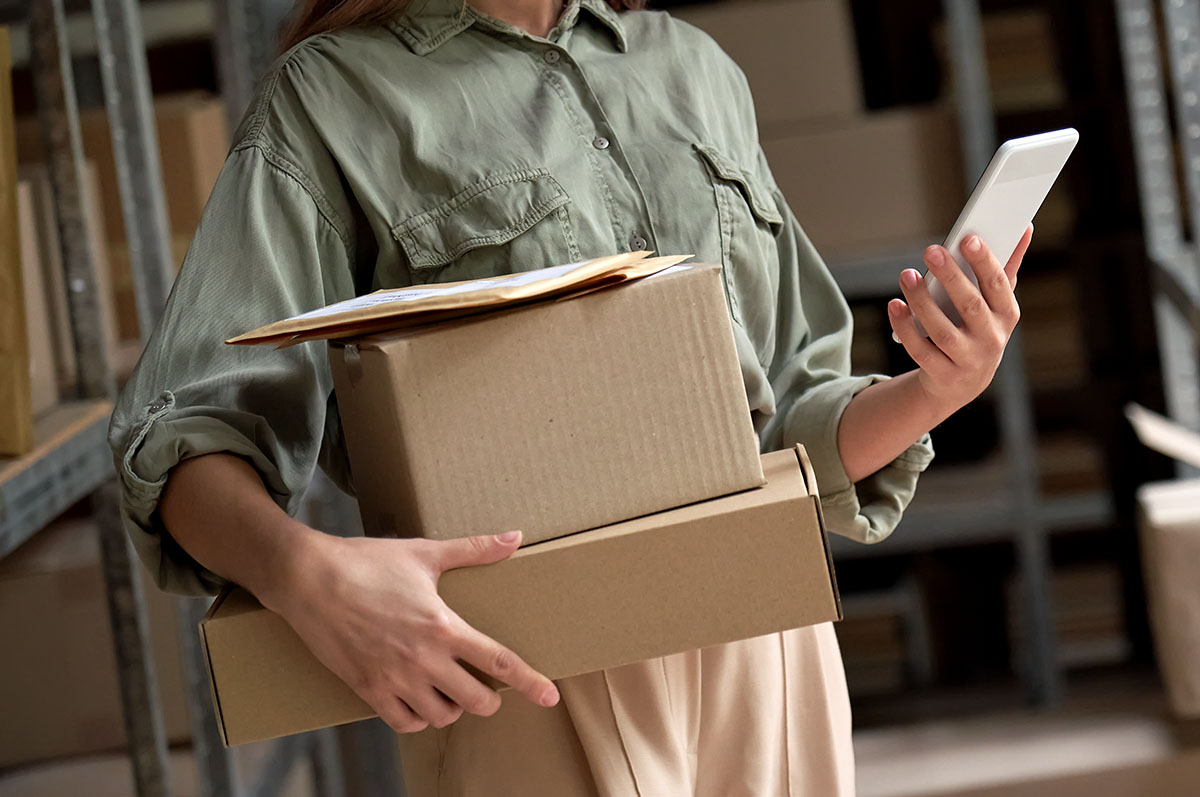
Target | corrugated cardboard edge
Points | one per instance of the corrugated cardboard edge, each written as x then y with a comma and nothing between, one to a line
810,481
212,681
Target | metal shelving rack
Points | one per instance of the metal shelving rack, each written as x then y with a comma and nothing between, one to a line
1171,243
995,500
72,460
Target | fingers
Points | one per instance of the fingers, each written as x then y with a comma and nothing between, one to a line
923,352
938,327
958,286
995,286
466,691
502,664
432,706
1018,255
398,716
479,550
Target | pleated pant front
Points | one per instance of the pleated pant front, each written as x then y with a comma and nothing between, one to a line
763,717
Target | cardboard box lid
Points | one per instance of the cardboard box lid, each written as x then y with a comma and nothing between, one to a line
1163,435
744,565
393,308
1172,502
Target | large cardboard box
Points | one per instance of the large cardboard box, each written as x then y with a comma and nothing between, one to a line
799,56
552,417
1169,521
731,568
60,693
886,182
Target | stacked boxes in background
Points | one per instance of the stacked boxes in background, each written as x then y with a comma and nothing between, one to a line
860,183
193,142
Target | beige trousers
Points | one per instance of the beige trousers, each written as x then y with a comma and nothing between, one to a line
761,717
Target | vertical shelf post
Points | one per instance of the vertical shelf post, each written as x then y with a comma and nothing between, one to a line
55,92
1018,433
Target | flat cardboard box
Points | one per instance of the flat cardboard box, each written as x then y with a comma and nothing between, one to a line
1169,528
550,418
16,415
60,693
881,183
799,56
731,568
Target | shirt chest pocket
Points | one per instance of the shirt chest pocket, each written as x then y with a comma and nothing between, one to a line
509,222
749,222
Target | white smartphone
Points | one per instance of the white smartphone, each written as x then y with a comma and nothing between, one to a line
1004,201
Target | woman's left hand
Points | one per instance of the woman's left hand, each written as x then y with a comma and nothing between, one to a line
958,363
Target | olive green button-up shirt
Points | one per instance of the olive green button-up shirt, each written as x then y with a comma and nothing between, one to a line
449,145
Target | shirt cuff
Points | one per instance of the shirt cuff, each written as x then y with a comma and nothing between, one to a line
870,509
145,453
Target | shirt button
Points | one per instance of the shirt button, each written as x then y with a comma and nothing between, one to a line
637,243
552,56
600,142
157,406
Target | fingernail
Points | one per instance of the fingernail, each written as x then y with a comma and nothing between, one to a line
895,308
549,697
971,244
933,255
508,536
909,277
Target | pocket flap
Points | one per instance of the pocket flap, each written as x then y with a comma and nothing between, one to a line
492,211
759,198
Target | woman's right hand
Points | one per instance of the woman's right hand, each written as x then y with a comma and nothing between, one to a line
368,608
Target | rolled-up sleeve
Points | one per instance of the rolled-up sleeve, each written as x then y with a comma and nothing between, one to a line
267,248
811,379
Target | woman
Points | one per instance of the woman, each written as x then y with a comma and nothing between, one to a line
392,146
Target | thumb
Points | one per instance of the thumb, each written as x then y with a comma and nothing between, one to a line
479,550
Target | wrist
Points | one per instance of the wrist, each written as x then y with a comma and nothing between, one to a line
940,404
299,557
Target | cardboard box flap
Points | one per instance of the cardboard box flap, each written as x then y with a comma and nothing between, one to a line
394,308
810,481
1164,435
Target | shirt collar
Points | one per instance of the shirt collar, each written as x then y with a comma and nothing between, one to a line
428,24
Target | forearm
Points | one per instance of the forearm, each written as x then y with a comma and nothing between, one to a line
217,509
882,421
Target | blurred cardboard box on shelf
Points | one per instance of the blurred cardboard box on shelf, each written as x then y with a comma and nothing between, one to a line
42,376
880,183
1089,616
552,417
1169,521
53,275
734,567
1056,352
1071,462
799,56
16,415
60,690
193,142
1022,60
